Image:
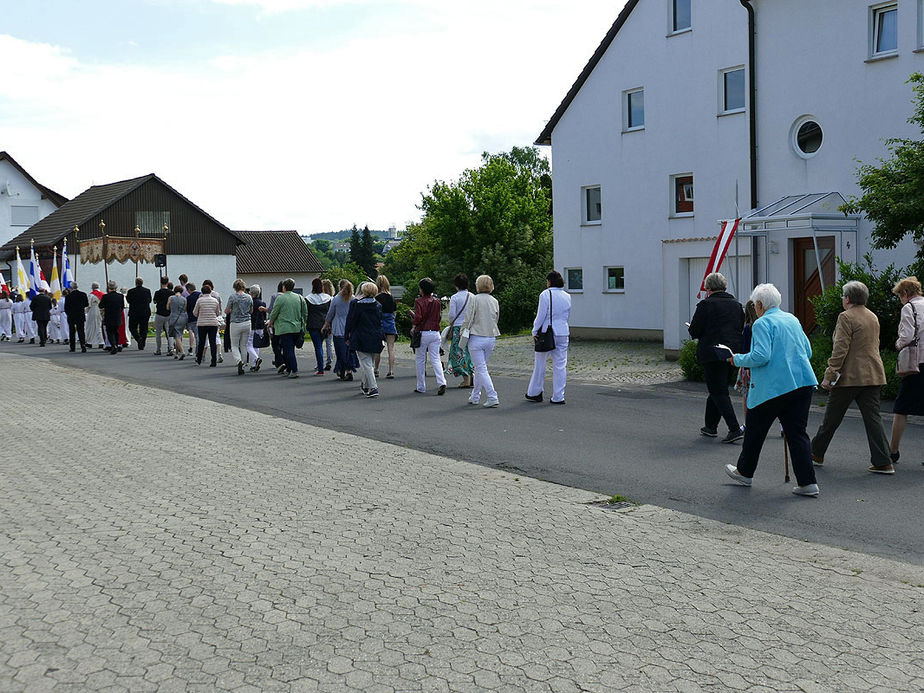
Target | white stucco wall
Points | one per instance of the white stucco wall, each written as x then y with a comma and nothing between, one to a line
683,133
812,59
219,268
23,194
269,282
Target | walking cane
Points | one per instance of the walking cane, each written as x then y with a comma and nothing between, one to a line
785,458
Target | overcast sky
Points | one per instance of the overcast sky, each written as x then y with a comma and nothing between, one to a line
282,114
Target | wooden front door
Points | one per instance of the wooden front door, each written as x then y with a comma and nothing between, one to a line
806,279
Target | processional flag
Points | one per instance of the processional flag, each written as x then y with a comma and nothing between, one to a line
22,281
3,287
722,243
36,276
55,284
68,277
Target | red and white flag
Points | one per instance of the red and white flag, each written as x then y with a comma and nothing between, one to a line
4,289
722,243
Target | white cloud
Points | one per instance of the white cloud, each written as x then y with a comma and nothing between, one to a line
308,139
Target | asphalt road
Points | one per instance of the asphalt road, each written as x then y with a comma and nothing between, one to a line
639,442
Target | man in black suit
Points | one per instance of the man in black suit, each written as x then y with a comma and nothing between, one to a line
75,307
41,313
719,319
139,311
111,305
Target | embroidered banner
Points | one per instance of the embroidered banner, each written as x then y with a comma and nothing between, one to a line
120,249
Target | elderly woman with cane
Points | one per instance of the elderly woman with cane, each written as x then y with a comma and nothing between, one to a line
782,383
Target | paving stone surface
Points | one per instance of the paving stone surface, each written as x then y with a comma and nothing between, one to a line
151,541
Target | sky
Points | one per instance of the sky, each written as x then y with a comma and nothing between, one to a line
311,115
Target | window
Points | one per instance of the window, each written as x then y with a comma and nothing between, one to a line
21,215
731,86
152,223
884,30
682,191
635,110
616,279
593,208
680,15
920,26
807,137
574,279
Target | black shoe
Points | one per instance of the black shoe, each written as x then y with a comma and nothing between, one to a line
895,456
212,364
240,368
442,390
709,432
282,369
327,367
32,341
534,398
256,365
552,401
349,376
734,435
73,350
83,350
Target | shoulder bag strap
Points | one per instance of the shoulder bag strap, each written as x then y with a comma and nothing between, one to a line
550,308
915,314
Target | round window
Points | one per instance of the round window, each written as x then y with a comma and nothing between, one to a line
808,137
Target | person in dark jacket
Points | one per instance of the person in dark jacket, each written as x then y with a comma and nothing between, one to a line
41,313
111,305
318,305
75,307
139,311
718,319
363,333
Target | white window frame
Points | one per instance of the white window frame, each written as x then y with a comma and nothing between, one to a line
723,110
875,11
568,283
673,193
18,222
794,136
626,110
920,48
671,31
585,215
606,279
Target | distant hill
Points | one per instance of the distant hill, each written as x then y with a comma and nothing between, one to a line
345,235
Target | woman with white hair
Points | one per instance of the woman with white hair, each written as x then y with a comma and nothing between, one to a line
481,324
782,382
364,335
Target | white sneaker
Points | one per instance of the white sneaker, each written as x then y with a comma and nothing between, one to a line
491,403
810,490
733,472
472,401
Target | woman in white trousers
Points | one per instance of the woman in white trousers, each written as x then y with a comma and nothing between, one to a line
555,310
480,325
427,312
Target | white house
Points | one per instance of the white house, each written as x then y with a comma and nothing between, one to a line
23,200
676,101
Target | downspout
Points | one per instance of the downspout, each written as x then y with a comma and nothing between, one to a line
752,100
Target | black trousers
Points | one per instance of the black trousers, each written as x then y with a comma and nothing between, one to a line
718,403
792,410
138,327
210,333
112,333
76,329
42,331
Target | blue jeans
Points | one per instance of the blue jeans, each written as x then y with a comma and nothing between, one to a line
346,358
287,342
318,341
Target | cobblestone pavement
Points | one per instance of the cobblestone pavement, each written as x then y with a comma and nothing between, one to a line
598,361
173,543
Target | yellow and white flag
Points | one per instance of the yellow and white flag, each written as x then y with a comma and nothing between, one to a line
55,284
22,279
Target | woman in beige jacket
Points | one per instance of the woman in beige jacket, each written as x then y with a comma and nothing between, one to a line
481,326
855,374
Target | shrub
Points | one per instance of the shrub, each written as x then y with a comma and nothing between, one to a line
890,389
689,366
518,296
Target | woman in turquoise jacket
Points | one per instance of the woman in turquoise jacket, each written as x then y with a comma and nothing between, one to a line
781,387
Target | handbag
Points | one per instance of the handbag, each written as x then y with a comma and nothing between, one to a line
415,339
545,340
909,356
264,340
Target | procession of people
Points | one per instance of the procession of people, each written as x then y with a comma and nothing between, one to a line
766,344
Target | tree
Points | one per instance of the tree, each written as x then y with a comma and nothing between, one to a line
496,219
893,192
349,271
356,246
367,257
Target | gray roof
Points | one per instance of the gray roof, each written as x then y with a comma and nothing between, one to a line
275,252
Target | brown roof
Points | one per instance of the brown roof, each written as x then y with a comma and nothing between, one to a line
545,137
57,198
50,230
275,252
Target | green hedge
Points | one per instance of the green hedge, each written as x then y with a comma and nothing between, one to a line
689,366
